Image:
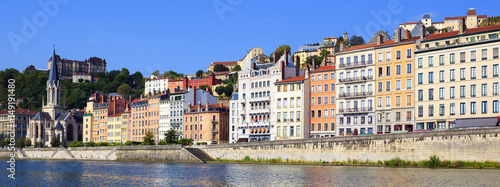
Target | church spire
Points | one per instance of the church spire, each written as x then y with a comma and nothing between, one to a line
53,74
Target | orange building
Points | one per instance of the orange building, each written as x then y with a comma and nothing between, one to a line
323,101
139,120
207,123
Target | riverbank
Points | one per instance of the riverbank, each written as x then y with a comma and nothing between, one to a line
432,162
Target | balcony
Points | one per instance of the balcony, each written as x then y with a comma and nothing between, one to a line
355,95
256,99
356,79
355,110
214,121
215,130
356,64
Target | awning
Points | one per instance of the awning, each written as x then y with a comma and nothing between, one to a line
476,122
243,140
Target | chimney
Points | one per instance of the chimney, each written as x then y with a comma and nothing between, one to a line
194,95
407,34
380,39
199,106
306,68
275,59
206,105
189,105
343,46
397,35
207,89
253,66
297,65
286,57
282,70
129,98
461,26
422,31
314,64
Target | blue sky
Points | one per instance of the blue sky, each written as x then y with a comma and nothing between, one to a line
186,36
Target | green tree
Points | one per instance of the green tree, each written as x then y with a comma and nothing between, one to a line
149,139
490,21
199,73
431,29
170,136
237,67
204,87
228,90
322,55
357,40
220,68
342,39
27,142
447,29
56,141
219,90
125,71
281,50
309,60
156,73
125,90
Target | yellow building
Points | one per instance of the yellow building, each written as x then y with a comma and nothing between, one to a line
114,128
125,124
457,78
472,20
394,84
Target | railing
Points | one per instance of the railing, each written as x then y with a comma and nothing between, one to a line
356,94
356,79
356,64
214,130
356,110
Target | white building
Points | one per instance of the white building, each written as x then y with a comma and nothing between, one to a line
155,85
256,96
234,118
292,108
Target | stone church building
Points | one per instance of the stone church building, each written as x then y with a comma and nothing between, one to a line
54,120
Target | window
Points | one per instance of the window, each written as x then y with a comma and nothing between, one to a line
452,108
420,95
332,87
398,55
408,69
462,73
379,87
332,75
325,100
388,56
420,78
408,84
452,74
388,101
495,52
462,57
292,102
387,85
388,70
325,76
484,54
408,53
495,70
441,110
484,107
408,100
420,111
398,101
495,88
325,89
473,90
431,77
431,110
380,57
398,69
441,60
379,102
431,94
420,63
319,100
473,73
472,107
441,76
298,102
462,91
398,84
430,61
484,89
441,93
495,106
473,56
452,58
452,92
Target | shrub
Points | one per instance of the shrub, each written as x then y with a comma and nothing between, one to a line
433,161
162,142
103,144
76,144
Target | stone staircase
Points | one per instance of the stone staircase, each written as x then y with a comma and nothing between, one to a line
198,153
67,152
111,152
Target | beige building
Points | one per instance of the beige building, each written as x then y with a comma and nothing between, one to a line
472,21
457,77
19,123
207,123
114,128
67,68
291,109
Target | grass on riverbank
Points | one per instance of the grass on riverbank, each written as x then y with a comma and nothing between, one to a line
432,162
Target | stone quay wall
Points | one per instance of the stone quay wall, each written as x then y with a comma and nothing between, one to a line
462,144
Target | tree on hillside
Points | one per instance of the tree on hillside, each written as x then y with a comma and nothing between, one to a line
149,139
219,90
228,90
447,29
309,60
322,55
357,40
156,73
124,71
237,67
220,68
199,73
170,136
431,29
172,74
124,90
204,87
342,39
281,50
490,21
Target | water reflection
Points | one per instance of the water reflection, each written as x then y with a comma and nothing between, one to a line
105,173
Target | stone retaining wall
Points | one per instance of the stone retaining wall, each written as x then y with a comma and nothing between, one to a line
471,144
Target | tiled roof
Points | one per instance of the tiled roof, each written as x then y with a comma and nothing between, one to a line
467,31
409,23
209,105
20,111
139,100
115,115
454,18
388,42
323,68
226,63
471,12
482,16
293,79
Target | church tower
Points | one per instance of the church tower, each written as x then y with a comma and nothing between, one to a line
53,90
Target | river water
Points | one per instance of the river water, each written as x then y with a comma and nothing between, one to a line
111,173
